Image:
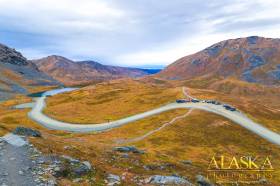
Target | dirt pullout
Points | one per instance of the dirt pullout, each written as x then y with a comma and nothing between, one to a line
18,166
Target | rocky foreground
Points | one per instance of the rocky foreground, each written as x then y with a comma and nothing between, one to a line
22,164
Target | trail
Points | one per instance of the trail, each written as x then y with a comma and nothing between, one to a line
155,130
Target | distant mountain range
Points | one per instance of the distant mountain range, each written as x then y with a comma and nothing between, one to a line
252,59
221,66
18,75
84,72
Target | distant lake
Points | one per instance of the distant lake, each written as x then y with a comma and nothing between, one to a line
36,94
50,92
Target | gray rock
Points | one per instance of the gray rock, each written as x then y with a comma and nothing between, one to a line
51,183
86,163
167,180
72,160
80,170
9,55
128,149
113,180
26,132
71,167
125,155
202,181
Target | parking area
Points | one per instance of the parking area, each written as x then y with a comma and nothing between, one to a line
214,102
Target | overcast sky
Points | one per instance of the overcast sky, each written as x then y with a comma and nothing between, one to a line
131,32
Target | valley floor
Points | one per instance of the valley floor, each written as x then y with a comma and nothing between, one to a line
194,139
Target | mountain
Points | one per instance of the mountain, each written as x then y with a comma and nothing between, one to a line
84,72
252,59
18,75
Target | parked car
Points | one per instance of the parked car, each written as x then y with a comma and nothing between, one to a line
195,101
213,102
229,108
181,101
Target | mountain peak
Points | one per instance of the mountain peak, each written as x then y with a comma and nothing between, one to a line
11,56
84,72
251,59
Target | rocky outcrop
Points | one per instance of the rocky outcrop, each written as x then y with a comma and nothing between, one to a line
202,181
70,167
26,132
17,74
112,180
21,163
8,55
167,180
128,149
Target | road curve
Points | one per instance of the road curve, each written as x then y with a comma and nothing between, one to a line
37,115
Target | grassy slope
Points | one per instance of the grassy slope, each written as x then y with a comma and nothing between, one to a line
194,138
112,101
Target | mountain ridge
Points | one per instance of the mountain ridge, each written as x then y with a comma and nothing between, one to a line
18,75
84,72
253,59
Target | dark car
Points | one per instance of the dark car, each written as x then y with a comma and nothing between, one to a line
229,108
195,101
181,101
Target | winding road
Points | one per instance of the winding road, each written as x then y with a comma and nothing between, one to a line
37,115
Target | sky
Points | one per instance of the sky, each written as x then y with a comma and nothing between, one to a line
138,33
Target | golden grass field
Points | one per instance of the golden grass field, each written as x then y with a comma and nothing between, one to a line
197,137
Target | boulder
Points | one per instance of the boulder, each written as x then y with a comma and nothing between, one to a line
80,170
127,149
72,167
202,181
167,180
113,180
26,132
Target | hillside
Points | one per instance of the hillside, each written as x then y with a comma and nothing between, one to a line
252,59
84,72
18,75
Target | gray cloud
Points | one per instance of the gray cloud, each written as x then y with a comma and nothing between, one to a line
130,33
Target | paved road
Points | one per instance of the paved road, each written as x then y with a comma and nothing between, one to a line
237,117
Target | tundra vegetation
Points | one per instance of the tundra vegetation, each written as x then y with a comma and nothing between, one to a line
194,139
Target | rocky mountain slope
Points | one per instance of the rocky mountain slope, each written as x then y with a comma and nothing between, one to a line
84,72
252,59
17,74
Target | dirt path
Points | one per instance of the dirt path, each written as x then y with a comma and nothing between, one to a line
18,166
15,166
155,130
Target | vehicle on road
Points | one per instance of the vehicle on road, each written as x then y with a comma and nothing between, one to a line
195,101
229,108
182,101
213,102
